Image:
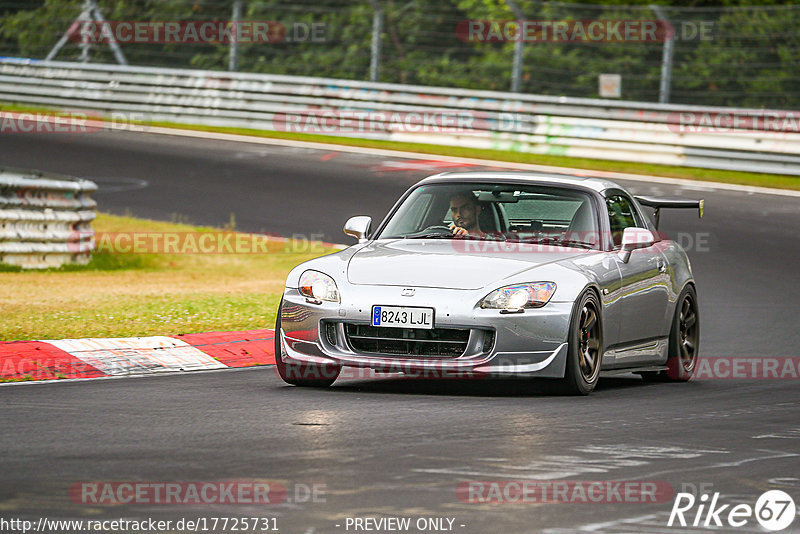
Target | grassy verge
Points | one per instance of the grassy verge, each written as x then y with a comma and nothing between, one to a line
689,173
148,294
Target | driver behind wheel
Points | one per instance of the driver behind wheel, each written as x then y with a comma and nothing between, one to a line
465,210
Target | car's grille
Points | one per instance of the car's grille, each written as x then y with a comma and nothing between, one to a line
433,343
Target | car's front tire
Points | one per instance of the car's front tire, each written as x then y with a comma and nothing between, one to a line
302,375
585,344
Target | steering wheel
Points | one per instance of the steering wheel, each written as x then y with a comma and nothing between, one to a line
437,228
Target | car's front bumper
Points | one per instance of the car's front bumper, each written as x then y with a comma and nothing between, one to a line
532,343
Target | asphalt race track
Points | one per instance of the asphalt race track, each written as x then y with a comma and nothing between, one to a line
393,447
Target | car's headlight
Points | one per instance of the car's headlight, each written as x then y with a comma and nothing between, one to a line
320,286
519,296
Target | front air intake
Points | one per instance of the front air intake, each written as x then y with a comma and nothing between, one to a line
413,342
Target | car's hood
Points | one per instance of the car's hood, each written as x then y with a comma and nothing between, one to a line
456,264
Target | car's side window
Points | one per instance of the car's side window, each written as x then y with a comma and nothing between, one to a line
621,215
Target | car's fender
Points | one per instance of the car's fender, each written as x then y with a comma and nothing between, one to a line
680,274
334,265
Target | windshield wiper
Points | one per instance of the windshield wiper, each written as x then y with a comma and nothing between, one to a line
444,236
570,243
430,235
553,241
533,240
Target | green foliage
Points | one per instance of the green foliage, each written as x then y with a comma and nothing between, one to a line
750,60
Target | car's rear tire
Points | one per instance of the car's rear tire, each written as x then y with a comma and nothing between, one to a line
684,341
303,375
585,346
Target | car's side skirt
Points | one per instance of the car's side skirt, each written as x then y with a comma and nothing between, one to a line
642,352
643,369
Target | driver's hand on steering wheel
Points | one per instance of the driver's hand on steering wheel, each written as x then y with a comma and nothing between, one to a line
457,230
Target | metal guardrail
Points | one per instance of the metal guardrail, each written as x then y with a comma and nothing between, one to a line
576,127
45,219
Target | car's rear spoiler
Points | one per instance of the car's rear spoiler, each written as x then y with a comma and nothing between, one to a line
658,203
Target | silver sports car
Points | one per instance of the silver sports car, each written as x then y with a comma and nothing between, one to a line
496,274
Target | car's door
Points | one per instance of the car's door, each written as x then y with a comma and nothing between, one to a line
645,290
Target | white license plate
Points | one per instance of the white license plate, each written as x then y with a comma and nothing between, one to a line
402,317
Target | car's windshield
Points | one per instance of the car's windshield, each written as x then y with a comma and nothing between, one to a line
508,212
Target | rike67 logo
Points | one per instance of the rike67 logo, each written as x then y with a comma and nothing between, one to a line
774,510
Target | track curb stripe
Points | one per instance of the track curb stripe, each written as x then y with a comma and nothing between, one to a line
104,357
39,360
235,349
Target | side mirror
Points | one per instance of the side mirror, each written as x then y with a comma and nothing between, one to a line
635,238
358,227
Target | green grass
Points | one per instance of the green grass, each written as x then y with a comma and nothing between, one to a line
119,295
689,173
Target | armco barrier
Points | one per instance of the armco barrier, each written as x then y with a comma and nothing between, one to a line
577,127
45,219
